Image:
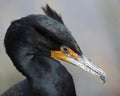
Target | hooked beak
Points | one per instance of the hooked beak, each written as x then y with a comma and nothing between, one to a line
87,65
80,61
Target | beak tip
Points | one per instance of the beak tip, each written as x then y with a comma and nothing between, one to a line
103,78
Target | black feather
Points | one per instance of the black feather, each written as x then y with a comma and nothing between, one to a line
28,43
53,14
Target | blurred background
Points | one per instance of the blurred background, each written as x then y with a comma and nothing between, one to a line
95,24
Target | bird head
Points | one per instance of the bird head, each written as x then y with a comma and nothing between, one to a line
69,50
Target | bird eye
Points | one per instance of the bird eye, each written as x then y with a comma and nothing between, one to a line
64,49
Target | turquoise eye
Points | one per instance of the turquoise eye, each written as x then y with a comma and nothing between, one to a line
64,49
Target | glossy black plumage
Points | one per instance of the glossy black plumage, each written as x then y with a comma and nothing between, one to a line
28,42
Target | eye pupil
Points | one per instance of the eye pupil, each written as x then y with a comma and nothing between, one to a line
65,49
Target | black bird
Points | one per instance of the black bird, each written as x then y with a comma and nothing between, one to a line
34,43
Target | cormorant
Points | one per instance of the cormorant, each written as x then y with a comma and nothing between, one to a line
34,43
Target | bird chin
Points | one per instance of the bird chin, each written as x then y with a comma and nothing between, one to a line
87,65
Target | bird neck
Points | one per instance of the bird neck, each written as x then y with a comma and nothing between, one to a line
43,73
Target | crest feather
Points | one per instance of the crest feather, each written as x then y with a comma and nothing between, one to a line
52,13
